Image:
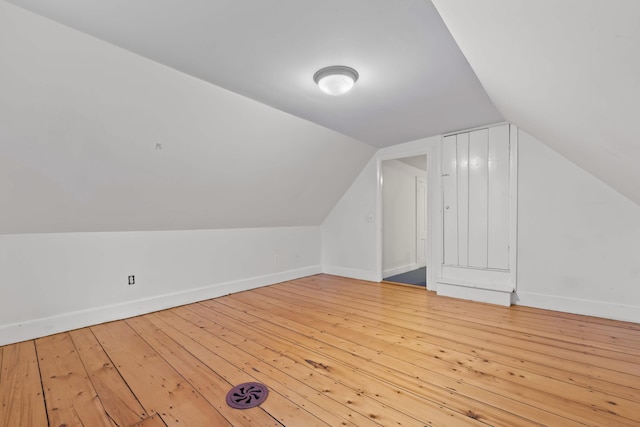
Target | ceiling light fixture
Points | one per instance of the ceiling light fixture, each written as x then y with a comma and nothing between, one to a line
336,80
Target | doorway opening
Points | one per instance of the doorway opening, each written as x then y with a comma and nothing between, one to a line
404,220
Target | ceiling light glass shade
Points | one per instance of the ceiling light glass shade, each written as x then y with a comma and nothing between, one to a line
336,80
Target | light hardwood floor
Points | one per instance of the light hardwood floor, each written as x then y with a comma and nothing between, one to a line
332,351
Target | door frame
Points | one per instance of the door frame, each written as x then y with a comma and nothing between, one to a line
428,147
483,284
425,211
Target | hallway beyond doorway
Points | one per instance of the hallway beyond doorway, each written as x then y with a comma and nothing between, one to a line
414,277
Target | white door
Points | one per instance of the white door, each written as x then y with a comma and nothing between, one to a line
479,211
421,222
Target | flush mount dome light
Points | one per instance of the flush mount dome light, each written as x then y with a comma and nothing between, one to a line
336,80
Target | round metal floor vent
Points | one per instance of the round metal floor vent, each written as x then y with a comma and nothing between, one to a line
247,395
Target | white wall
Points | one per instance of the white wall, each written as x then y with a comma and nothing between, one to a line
60,281
79,124
349,231
80,121
566,71
399,217
578,239
351,244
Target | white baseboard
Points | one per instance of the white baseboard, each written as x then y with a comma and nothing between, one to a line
475,294
607,310
399,270
352,273
41,327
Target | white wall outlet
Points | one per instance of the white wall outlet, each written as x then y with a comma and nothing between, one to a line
276,258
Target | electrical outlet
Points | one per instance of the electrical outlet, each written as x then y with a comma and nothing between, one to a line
132,280
276,258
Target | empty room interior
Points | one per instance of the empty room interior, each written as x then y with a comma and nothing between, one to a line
336,213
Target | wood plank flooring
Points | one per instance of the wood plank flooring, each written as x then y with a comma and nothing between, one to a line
333,352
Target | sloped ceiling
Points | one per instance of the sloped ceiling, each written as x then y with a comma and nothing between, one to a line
163,114
95,138
414,81
565,71
419,162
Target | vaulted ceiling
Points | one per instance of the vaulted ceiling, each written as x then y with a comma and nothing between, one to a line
414,81
164,114
96,138
565,71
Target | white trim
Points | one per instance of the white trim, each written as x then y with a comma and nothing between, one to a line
352,273
498,280
402,269
607,310
419,147
411,170
379,218
44,326
435,211
425,214
496,287
513,205
485,279
489,296
408,149
457,132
